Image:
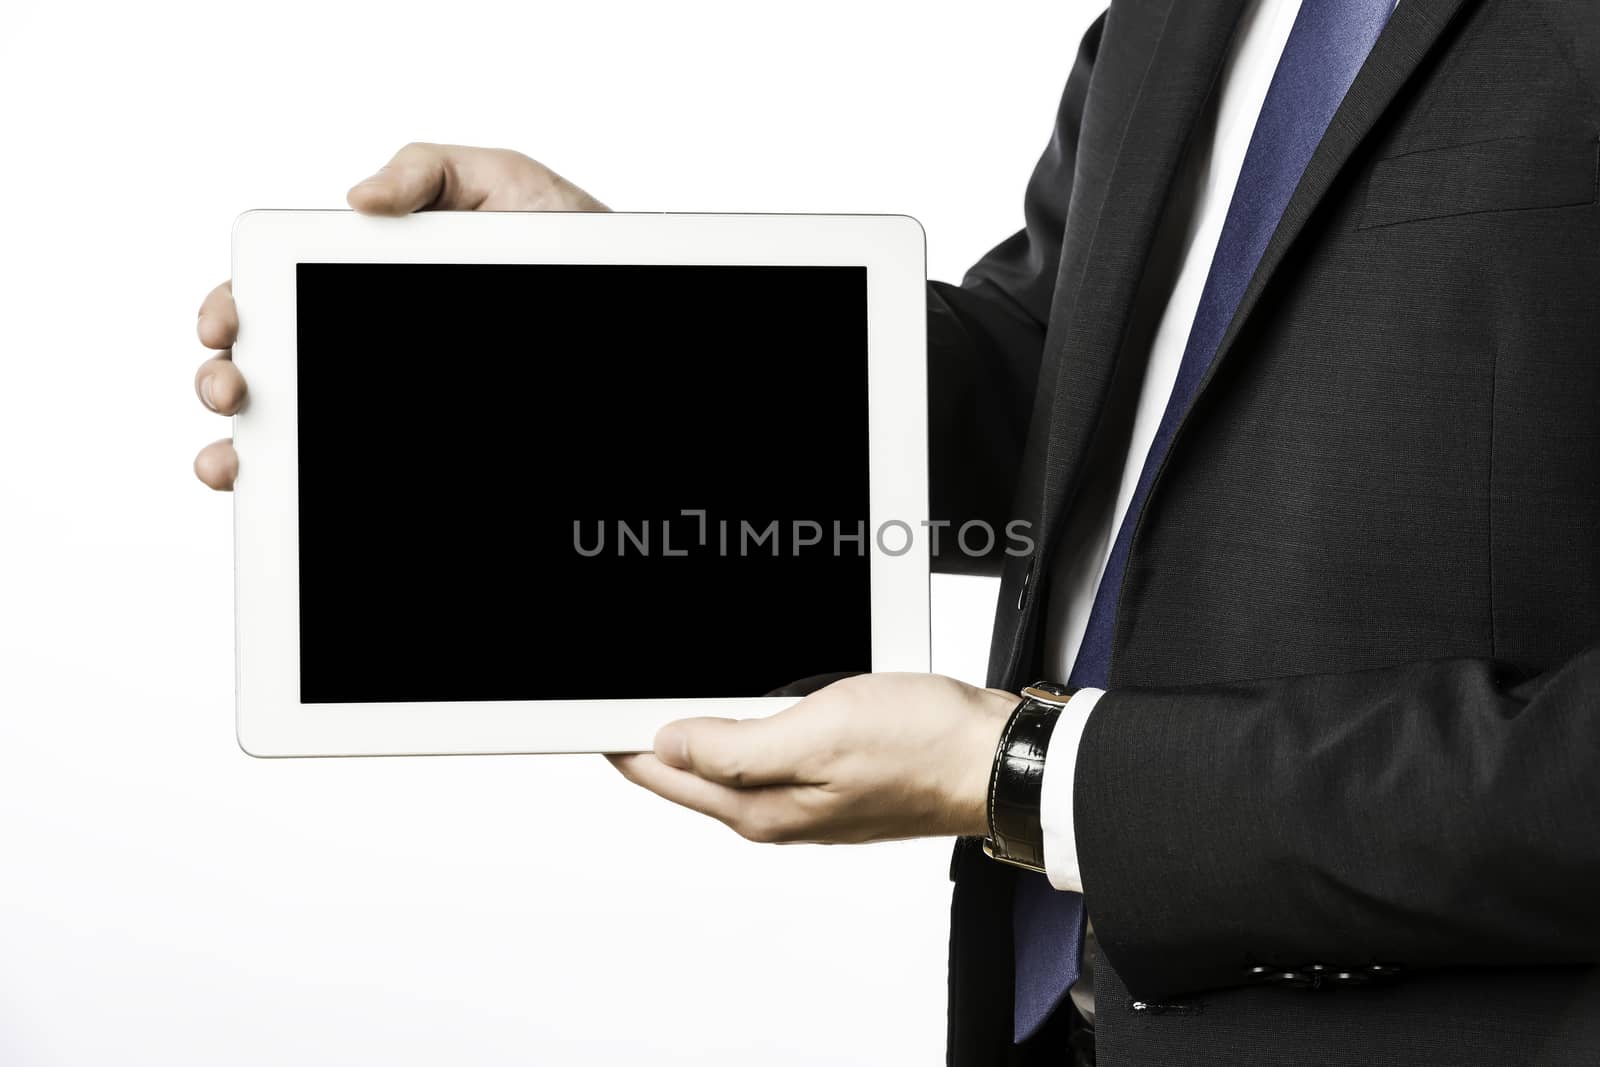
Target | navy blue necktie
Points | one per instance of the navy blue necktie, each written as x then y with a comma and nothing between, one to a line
1326,47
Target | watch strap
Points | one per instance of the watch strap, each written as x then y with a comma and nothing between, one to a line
1016,835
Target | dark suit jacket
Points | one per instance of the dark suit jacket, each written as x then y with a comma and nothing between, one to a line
1355,705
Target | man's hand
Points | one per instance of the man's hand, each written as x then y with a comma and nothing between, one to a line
421,177
871,758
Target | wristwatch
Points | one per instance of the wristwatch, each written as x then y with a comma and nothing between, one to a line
1015,834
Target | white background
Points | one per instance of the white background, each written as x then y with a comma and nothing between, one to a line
165,899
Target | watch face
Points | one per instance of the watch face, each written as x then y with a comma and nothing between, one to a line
1049,692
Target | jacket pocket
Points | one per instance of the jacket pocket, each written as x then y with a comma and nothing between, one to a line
1504,174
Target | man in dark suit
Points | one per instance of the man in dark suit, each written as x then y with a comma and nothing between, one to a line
1294,375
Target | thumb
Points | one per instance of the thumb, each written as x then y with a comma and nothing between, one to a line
739,753
419,176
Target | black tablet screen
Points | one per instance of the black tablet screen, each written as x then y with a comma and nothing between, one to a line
565,482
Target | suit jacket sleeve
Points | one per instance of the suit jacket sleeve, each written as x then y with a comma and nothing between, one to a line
1432,814
985,339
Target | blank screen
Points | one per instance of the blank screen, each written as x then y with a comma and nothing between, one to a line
496,462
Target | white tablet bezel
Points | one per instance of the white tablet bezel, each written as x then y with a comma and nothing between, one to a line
267,245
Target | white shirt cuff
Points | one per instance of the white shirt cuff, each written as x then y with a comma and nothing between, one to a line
1055,791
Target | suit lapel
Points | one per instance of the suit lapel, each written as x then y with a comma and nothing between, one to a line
1176,86
1405,43
1103,266
1414,28
1177,81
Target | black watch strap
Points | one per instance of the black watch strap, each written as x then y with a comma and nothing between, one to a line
1015,784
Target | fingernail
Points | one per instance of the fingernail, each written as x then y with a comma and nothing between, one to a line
205,391
672,747
375,176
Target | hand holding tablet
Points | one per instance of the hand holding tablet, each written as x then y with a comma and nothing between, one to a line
614,469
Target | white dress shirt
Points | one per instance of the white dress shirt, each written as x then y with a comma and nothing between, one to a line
1207,182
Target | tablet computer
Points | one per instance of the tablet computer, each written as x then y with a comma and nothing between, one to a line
542,482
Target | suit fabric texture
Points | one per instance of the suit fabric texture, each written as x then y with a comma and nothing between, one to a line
1353,717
